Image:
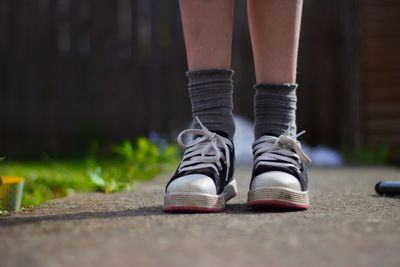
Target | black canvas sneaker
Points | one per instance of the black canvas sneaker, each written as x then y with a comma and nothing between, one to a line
279,178
203,181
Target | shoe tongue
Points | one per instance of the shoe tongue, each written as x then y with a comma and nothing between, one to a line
271,134
223,134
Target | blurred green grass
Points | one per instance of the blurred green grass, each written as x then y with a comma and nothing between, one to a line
131,162
49,180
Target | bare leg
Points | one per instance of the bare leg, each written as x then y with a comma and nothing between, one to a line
207,26
275,28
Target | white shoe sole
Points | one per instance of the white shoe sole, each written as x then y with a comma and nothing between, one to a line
199,202
278,198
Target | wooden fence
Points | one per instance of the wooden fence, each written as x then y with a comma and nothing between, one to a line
74,70
380,69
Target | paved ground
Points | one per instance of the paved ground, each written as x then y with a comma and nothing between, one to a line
348,226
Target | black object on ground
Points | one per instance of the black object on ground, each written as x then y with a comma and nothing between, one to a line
388,188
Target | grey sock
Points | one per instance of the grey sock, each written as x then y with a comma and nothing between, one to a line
210,92
274,109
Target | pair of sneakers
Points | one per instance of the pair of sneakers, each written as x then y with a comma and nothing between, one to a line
204,182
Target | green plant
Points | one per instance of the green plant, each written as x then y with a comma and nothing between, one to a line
362,155
145,159
47,180
3,211
105,183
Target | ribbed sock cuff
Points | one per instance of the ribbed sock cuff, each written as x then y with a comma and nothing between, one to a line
274,109
210,92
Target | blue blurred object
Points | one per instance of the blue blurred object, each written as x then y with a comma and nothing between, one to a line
323,155
243,141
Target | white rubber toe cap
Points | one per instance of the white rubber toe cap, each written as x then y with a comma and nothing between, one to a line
275,178
192,183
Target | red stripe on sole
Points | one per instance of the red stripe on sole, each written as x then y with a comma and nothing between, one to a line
276,204
191,209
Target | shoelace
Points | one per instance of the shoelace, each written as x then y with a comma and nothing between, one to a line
204,151
282,151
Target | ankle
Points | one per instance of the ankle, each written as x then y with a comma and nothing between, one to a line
210,93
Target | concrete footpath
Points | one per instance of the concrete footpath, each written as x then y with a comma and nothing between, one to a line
348,225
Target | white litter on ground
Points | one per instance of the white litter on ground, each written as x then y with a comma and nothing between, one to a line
323,155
